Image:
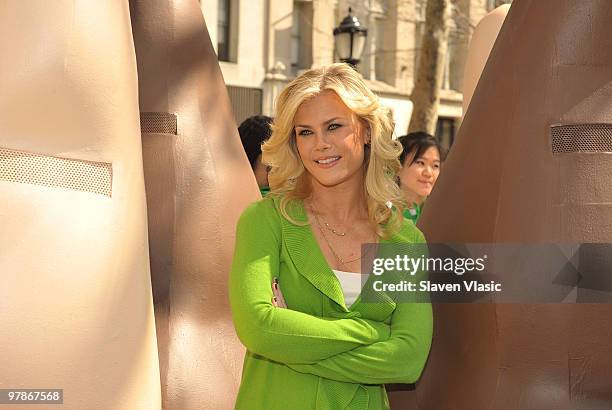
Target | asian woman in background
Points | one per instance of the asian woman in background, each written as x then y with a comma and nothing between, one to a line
421,159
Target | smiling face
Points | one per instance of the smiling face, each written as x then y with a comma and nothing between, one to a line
329,138
418,178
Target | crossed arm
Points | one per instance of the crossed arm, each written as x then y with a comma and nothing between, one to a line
399,359
350,350
283,335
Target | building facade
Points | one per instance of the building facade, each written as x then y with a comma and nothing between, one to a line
264,44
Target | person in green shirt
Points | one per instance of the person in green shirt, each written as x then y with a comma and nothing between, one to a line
310,344
253,132
421,158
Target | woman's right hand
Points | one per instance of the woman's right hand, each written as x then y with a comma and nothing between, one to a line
278,300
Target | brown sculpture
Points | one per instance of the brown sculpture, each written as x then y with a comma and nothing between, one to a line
531,164
198,182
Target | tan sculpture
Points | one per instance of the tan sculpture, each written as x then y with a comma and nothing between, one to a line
481,44
531,164
76,291
76,311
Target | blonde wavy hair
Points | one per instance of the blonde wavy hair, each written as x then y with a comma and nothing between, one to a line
287,177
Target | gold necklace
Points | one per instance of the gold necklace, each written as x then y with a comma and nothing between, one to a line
333,230
329,227
331,248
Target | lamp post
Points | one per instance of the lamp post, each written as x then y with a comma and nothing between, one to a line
350,38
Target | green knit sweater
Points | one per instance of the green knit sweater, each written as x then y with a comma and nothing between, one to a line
413,213
317,354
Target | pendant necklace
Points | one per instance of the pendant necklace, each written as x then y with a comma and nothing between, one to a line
331,248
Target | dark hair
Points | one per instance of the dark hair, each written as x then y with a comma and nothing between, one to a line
418,142
253,132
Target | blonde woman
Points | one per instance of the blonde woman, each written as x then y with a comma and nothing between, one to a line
296,277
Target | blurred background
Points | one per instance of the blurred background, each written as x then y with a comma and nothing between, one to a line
263,44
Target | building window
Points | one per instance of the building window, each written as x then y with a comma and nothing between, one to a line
445,131
227,30
296,34
493,4
301,36
223,30
379,50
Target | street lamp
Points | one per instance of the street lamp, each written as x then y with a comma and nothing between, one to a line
350,37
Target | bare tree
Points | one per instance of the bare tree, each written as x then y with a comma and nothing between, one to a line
426,93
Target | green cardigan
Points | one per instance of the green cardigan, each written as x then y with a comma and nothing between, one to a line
413,213
317,354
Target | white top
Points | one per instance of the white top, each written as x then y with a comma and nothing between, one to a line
351,284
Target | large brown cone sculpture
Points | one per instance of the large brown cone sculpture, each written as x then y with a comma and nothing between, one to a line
76,310
513,177
198,182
